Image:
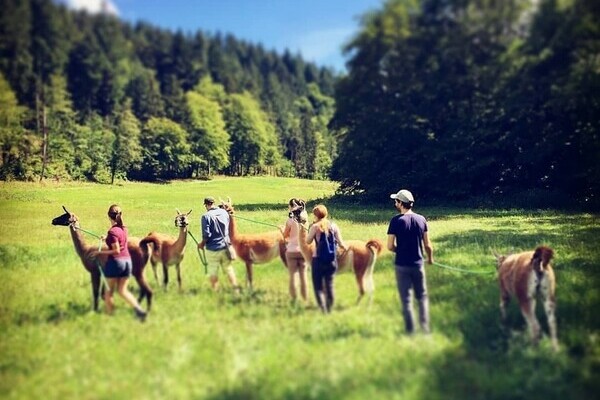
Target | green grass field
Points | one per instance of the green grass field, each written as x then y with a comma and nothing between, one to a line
200,344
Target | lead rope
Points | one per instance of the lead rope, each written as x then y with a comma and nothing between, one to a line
462,270
202,254
102,277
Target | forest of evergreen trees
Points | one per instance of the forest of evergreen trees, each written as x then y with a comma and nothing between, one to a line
91,97
454,99
464,99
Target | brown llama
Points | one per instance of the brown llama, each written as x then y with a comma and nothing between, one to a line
524,276
359,257
169,251
257,248
139,258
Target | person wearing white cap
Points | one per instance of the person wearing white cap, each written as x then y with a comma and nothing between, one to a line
407,236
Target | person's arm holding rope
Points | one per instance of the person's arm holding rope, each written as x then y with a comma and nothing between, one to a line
391,243
113,250
428,247
338,238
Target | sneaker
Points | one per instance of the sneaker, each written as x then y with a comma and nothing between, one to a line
141,315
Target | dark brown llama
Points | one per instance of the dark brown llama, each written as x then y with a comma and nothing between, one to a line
139,258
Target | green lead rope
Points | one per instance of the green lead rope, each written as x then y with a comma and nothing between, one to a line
202,255
102,277
89,233
465,271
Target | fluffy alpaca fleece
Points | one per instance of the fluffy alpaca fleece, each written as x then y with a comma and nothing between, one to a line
525,276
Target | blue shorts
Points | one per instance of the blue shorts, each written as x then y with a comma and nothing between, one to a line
118,268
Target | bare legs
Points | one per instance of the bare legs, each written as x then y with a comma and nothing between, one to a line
120,284
297,267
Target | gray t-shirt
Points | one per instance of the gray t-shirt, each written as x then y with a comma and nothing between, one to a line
215,237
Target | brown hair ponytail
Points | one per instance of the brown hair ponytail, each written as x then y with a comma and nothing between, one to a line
116,214
320,211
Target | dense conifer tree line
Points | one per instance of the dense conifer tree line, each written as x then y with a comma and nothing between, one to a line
455,99
91,97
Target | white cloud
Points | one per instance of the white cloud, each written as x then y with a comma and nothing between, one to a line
94,6
323,45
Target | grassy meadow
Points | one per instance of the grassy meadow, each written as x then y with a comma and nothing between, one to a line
200,344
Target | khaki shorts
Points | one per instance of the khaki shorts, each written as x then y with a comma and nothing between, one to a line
216,259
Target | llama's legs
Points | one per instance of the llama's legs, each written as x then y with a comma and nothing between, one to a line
178,275
143,283
361,288
165,275
369,285
528,311
154,270
249,274
550,307
95,280
504,300
369,281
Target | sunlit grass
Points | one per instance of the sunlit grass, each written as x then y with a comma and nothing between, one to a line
200,344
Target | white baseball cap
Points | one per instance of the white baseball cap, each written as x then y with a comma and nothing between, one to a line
404,196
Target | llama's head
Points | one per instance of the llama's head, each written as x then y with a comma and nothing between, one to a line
298,211
181,220
227,205
65,219
541,258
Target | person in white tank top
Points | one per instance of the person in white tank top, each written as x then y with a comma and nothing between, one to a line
295,261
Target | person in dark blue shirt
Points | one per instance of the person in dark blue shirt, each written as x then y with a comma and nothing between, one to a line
407,236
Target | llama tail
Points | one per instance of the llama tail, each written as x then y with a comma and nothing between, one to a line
375,246
150,239
282,252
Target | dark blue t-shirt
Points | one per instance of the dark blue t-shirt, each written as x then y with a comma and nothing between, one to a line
409,230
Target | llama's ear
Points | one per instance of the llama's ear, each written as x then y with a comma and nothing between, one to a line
496,254
189,212
229,201
178,212
66,210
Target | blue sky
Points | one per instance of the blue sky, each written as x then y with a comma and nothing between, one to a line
317,29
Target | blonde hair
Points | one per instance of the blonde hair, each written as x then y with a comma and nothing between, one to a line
320,211
115,213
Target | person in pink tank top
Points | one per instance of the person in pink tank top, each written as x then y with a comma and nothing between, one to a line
118,265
